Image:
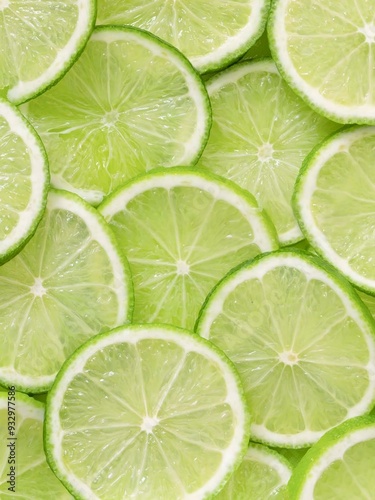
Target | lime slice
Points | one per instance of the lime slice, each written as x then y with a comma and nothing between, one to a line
326,52
369,301
260,135
209,36
182,230
176,431
130,103
21,435
69,282
340,465
302,342
334,201
262,475
24,180
39,41
259,49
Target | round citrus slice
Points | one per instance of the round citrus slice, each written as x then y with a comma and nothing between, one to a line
340,465
326,52
24,180
68,283
146,411
129,104
40,41
210,37
182,230
261,133
334,200
263,474
24,472
303,343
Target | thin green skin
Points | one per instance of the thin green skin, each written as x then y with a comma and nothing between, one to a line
289,80
17,247
302,470
296,198
48,428
39,389
81,46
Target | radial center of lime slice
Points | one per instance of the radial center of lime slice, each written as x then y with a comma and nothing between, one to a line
183,268
288,358
38,289
369,32
265,152
149,423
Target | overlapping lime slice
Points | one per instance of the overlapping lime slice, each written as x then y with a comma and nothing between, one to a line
303,344
69,282
146,411
210,35
39,41
182,230
24,180
334,201
129,104
260,135
22,449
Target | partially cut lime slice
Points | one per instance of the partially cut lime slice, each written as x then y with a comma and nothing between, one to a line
129,104
24,472
146,411
340,465
334,201
263,474
211,36
303,343
69,282
326,52
24,181
39,41
261,133
182,230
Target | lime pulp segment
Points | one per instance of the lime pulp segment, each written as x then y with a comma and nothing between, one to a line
39,41
334,201
326,52
261,133
303,372
182,230
69,282
210,36
176,431
129,104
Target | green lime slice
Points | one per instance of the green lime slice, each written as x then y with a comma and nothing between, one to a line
334,201
369,301
210,37
21,436
263,474
259,49
260,135
182,230
24,180
302,342
325,51
39,42
340,465
69,282
129,104
146,411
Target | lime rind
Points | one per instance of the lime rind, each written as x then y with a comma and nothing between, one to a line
304,188
30,217
329,448
188,340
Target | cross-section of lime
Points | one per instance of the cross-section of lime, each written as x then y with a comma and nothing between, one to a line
24,180
182,230
146,411
24,472
303,343
334,200
39,41
261,133
129,104
69,282
210,35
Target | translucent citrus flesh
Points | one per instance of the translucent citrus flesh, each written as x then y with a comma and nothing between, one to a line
260,135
